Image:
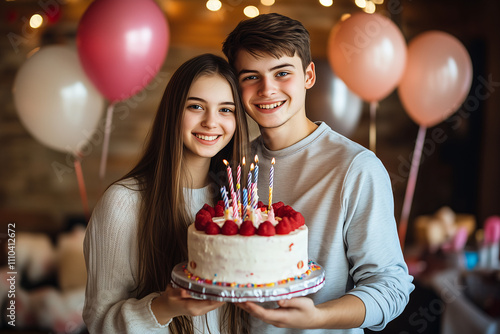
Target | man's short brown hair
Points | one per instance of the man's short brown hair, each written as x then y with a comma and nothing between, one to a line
274,34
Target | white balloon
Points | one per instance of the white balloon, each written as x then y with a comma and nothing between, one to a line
55,100
331,101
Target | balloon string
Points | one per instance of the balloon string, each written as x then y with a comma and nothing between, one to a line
373,126
410,187
81,186
105,145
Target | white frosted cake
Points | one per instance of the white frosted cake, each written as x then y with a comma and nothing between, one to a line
267,248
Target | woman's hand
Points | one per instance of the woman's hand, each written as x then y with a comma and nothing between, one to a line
174,302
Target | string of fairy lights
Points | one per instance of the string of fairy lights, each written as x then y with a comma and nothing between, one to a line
369,6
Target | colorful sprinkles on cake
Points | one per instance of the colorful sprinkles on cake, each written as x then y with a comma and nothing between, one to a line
312,267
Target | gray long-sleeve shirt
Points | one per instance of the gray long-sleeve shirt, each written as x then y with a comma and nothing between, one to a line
345,195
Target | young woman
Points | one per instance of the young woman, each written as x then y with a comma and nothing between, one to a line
138,230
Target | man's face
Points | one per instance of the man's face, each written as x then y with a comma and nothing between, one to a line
273,90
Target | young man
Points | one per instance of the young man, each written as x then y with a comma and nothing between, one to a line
341,188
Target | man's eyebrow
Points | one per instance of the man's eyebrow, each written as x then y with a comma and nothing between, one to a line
204,101
277,67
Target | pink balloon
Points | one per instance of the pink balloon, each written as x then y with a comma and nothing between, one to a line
492,230
122,45
437,78
368,52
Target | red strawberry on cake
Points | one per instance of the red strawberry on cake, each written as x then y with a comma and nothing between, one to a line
254,251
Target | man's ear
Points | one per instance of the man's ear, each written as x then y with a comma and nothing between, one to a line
310,75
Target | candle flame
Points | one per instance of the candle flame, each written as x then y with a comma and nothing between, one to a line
243,161
256,159
225,162
273,161
252,166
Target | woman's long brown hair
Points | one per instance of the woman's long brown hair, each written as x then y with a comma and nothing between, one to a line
161,177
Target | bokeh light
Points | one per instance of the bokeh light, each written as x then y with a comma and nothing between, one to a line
370,7
267,2
36,21
214,5
251,11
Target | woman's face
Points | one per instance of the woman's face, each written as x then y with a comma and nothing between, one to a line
209,119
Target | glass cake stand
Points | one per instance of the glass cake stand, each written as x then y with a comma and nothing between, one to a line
298,286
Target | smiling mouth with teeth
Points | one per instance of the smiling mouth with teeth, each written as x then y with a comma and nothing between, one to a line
270,106
207,138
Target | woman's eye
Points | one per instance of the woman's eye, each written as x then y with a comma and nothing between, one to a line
195,107
250,77
226,110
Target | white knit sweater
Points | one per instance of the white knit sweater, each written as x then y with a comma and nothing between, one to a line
111,253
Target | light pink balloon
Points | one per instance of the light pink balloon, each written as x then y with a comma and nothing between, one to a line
437,78
122,45
368,52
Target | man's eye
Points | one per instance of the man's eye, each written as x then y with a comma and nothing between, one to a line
282,74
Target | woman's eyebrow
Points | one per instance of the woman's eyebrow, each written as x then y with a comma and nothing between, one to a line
204,101
196,98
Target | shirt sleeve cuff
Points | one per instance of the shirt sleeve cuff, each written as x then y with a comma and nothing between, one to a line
373,313
153,315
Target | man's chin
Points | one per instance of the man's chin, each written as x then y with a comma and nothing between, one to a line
271,125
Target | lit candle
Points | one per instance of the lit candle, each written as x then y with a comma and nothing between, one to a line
271,183
231,188
254,196
256,172
250,183
229,175
245,203
243,163
238,181
224,197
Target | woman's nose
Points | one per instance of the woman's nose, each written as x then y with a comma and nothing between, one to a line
210,119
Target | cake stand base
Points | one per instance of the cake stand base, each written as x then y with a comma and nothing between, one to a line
297,287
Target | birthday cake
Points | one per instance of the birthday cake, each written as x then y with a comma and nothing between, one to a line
267,247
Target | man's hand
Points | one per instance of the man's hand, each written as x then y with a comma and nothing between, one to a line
292,313
347,311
